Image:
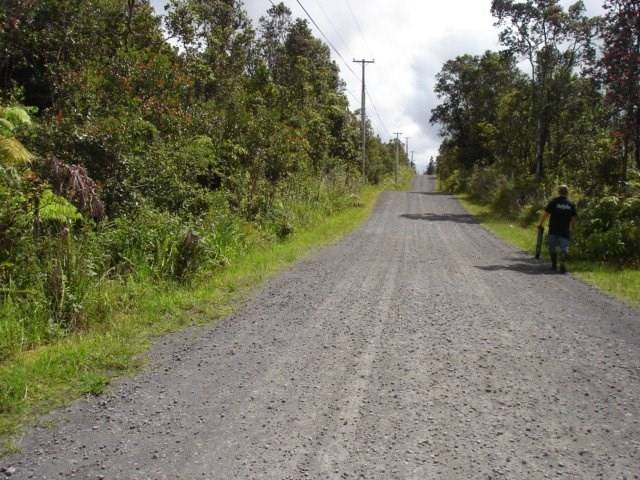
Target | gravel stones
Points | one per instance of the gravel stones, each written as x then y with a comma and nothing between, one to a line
418,347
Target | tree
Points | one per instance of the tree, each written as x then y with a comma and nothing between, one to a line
621,70
431,167
47,45
274,30
552,40
470,88
217,37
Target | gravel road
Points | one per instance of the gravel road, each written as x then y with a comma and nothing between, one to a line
419,347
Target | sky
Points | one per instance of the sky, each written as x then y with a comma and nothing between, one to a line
409,40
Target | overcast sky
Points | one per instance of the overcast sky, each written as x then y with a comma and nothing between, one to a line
410,40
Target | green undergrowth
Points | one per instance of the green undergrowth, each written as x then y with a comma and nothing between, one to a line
139,309
621,282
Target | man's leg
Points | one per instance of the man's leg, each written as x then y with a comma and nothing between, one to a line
564,251
553,253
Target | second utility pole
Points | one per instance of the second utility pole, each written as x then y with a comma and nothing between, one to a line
363,113
397,134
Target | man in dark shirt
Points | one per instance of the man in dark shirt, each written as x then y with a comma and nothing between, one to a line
563,216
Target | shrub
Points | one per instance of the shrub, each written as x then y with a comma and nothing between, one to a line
456,182
484,184
530,190
189,254
18,255
69,275
631,209
279,220
145,242
506,198
530,214
608,229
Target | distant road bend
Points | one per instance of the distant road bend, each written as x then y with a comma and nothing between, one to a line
419,347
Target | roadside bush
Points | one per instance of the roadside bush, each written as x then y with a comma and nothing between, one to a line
630,210
18,254
71,270
608,229
150,241
142,166
530,190
456,182
221,231
168,246
278,220
45,278
484,184
304,199
506,198
530,214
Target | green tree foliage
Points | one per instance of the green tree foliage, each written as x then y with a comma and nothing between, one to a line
470,113
553,41
158,146
512,133
621,71
431,167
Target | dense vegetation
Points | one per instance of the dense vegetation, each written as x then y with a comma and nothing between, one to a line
560,104
134,145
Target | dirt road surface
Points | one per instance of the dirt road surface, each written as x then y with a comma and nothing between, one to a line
419,347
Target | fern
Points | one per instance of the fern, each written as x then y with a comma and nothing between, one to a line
16,116
6,127
54,208
12,152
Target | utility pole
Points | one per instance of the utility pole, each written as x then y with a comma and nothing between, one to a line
406,139
412,152
363,114
397,134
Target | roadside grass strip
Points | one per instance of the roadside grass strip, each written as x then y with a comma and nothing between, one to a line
620,282
35,382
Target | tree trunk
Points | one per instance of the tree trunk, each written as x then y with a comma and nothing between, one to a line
636,136
625,156
541,140
541,124
131,5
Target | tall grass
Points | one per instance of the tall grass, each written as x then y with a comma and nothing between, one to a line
70,264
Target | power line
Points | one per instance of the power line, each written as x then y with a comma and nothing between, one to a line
355,19
328,41
360,30
340,56
353,95
373,104
355,98
338,53
324,12
333,47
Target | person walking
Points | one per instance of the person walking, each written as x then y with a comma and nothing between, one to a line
562,214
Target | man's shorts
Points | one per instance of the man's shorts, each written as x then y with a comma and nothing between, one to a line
556,241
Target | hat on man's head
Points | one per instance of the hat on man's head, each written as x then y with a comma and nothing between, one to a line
563,190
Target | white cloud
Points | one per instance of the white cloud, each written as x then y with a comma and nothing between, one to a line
410,41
